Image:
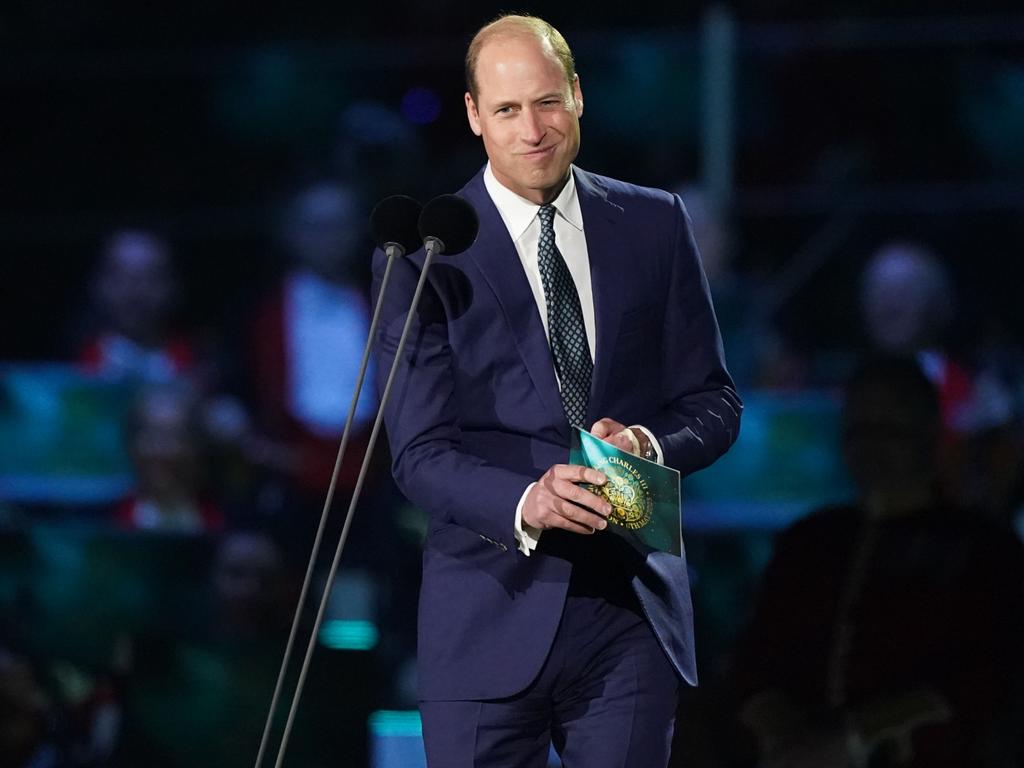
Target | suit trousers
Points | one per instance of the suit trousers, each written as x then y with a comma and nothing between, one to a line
606,697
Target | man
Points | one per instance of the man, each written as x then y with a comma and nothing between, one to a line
582,302
135,294
905,647
307,337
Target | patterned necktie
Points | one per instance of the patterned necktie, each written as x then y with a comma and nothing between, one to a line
567,334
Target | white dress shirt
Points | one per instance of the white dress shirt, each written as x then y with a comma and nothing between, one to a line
523,224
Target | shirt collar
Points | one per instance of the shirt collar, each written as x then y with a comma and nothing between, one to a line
518,212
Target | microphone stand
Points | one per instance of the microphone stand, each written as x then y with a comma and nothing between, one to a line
433,247
393,251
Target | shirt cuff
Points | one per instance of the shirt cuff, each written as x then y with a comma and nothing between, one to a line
658,455
527,537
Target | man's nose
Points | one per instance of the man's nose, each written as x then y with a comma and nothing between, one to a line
532,127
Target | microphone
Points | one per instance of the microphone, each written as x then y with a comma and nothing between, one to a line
448,224
393,225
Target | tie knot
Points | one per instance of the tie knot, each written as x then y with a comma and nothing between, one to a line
547,215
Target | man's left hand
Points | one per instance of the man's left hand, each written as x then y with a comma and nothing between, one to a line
618,434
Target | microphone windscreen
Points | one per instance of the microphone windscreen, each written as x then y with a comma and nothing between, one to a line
394,220
451,220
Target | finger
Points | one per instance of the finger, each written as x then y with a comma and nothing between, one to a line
576,473
580,516
580,496
556,514
625,441
566,524
604,427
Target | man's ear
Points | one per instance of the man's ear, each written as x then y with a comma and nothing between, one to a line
577,95
472,115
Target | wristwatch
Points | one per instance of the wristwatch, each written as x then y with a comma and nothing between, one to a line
646,446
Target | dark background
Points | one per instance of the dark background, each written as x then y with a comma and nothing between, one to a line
854,124
198,120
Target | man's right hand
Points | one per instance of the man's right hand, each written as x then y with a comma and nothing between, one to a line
556,501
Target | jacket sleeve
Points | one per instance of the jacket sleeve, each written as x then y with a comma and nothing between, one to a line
422,416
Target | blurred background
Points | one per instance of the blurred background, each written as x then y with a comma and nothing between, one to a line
185,191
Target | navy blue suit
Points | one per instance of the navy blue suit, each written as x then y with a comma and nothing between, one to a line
475,417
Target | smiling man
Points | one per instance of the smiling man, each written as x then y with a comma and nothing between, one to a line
582,303
524,101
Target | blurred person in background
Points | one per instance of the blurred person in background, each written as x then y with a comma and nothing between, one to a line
308,338
887,633
994,477
249,587
759,355
382,147
197,696
26,712
135,294
165,441
55,713
908,303
907,306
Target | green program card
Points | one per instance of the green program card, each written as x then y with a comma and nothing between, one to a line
644,495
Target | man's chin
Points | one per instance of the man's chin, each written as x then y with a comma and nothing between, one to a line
551,179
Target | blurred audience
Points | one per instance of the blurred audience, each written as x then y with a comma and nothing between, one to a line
249,587
885,633
383,146
758,353
308,339
26,714
199,698
888,633
907,305
135,293
994,474
165,441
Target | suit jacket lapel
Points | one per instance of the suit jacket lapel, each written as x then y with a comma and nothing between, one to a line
605,247
495,255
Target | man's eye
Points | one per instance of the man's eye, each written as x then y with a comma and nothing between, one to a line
503,111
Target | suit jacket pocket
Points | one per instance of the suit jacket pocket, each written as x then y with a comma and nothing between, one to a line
457,541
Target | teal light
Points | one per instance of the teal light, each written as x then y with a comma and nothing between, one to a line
392,722
349,635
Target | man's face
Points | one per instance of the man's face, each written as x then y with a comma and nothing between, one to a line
323,232
527,114
137,286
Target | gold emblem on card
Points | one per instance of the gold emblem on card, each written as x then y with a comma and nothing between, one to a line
626,490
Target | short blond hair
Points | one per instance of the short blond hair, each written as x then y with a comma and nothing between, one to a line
512,25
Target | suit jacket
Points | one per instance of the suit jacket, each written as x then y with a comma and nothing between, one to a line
475,416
